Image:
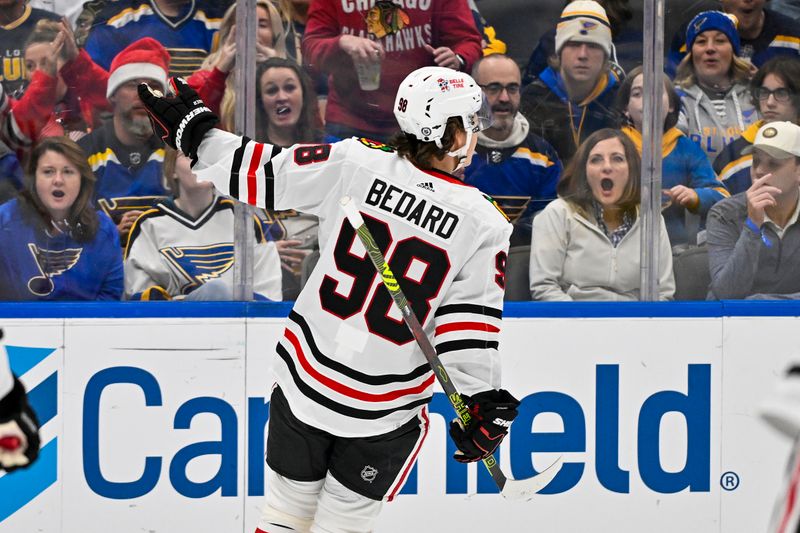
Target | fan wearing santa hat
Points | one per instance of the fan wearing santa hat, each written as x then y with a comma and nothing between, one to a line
124,153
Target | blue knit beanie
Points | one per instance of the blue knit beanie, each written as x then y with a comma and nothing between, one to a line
713,20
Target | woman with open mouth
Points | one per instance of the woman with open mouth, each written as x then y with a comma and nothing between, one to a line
712,83
586,243
54,245
287,113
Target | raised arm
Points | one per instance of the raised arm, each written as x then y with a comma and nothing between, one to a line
252,172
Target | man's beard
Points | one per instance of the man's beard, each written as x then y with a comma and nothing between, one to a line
137,125
505,124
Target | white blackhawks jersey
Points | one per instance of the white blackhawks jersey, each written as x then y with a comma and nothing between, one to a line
169,251
347,362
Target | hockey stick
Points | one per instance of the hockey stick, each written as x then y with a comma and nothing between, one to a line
512,489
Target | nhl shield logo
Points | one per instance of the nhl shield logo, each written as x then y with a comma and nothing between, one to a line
369,473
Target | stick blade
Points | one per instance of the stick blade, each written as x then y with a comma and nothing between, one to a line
525,489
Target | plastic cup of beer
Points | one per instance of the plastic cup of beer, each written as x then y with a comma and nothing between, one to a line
369,74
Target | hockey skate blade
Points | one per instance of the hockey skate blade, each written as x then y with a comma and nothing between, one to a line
525,489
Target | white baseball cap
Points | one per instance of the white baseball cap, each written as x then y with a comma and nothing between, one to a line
780,140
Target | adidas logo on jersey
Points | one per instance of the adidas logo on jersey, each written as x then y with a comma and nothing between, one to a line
427,185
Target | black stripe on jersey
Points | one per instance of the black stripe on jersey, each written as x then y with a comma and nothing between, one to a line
137,227
469,308
269,179
345,410
238,155
465,344
368,379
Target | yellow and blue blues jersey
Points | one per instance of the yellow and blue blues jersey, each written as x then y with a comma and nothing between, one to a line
522,179
188,37
124,171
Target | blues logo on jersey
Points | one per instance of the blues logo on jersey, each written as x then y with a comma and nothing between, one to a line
51,263
200,264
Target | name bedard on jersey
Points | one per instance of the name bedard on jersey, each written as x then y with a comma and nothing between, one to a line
405,205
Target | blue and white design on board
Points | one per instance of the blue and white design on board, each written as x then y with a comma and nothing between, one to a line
37,368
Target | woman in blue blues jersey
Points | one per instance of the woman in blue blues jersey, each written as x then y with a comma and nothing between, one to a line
54,245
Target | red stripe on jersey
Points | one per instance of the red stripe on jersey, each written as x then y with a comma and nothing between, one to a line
349,391
462,326
791,497
402,480
255,162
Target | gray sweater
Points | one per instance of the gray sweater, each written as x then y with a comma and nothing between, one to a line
741,264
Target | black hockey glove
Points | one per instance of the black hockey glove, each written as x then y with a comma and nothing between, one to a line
182,119
19,430
492,413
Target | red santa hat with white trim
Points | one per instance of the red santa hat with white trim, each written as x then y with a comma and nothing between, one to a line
145,58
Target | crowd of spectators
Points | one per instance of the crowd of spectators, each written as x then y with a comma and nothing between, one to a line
94,207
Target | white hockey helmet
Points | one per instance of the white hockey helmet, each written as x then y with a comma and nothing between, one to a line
431,95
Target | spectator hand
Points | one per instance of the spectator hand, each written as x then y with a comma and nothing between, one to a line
69,45
360,48
444,57
685,196
181,120
264,52
760,195
50,62
19,430
227,52
291,256
126,222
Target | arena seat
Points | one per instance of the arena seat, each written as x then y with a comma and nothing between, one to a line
690,267
517,278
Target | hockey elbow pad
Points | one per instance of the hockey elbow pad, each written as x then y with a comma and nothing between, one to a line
782,408
180,120
19,430
492,413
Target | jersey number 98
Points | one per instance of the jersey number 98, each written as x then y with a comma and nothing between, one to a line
419,287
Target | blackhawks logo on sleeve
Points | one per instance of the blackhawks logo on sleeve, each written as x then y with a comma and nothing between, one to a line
375,145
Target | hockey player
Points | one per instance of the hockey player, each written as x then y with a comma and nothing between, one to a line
19,429
781,410
348,413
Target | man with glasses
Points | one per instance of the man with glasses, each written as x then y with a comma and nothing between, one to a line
514,166
776,95
572,100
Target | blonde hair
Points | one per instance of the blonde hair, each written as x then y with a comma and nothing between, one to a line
228,105
686,77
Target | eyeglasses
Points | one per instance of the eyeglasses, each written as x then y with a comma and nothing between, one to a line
781,95
493,89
